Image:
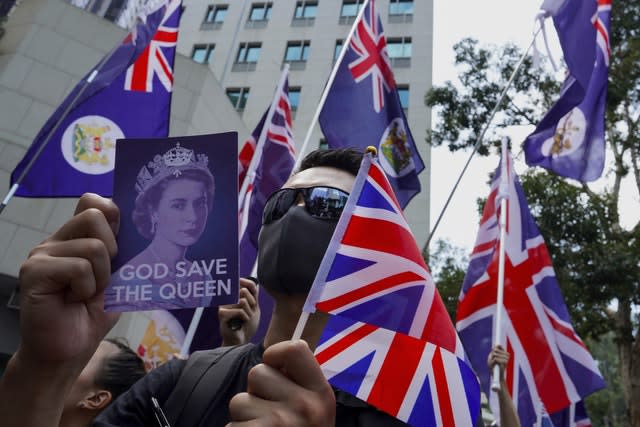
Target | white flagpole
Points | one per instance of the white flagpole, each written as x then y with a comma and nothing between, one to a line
257,155
327,87
503,194
191,332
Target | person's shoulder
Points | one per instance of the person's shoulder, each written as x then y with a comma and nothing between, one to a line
354,412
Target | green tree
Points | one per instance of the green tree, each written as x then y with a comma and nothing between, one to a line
595,258
448,265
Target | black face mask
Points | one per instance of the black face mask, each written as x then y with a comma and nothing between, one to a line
291,249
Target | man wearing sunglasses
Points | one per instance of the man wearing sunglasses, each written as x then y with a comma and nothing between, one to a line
277,383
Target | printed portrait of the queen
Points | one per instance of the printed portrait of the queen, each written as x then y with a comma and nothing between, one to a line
174,197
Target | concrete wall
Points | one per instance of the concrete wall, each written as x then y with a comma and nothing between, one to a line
48,47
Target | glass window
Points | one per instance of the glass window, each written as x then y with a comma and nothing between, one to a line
401,7
350,8
337,49
399,48
297,51
260,12
203,53
306,9
294,97
216,13
403,94
238,97
248,53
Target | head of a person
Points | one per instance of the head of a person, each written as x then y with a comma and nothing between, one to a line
111,371
175,196
300,218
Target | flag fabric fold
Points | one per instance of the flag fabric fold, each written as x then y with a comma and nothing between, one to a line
549,364
569,140
127,95
363,108
389,340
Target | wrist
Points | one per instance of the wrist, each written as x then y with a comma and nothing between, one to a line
32,393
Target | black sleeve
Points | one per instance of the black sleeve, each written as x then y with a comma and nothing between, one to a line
133,408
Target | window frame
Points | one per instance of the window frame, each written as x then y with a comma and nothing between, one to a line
303,45
398,2
266,7
305,5
242,97
247,47
209,49
401,88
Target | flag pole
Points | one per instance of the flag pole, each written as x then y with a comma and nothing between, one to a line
255,159
425,249
53,130
191,332
327,88
503,195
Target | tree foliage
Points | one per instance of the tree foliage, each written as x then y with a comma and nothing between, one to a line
595,258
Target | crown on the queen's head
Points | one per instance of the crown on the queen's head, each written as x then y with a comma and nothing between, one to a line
173,162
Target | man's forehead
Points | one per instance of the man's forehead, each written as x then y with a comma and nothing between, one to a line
321,175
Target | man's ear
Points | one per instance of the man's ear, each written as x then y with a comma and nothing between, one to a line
96,400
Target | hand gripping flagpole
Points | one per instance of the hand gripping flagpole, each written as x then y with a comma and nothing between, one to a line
503,195
327,88
52,131
425,249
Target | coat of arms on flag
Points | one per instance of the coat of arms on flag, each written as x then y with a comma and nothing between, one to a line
550,367
389,340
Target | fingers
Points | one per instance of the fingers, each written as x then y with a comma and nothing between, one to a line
296,361
55,274
245,407
249,292
90,223
227,313
106,206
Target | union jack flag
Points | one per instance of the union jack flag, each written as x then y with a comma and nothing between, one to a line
569,140
358,114
573,416
153,61
549,363
375,283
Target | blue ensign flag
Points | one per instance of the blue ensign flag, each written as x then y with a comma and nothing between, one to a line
363,107
129,97
569,140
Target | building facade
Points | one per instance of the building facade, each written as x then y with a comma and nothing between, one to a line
246,43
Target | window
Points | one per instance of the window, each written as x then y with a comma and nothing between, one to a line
294,98
247,58
306,9
215,16
238,97
260,12
403,94
323,144
337,49
203,53
349,11
297,54
400,7
399,50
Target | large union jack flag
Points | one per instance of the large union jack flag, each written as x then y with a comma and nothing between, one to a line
375,283
157,58
569,140
363,108
549,363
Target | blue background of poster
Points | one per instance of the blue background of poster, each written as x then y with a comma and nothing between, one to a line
220,236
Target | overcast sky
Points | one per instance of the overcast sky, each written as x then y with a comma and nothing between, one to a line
496,22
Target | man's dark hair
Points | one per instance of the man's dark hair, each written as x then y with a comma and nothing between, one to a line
121,370
346,159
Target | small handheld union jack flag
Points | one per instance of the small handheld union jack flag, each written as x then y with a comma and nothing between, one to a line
390,340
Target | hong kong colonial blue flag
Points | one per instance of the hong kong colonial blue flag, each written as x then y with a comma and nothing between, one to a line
569,140
128,95
363,108
389,339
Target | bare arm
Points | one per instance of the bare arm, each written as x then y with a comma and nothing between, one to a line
62,319
508,413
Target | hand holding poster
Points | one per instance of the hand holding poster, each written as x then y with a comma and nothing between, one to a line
178,243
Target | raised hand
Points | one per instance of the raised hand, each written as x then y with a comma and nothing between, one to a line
239,322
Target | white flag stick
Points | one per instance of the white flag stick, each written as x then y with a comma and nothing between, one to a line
257,154
503,195
327,87
191,332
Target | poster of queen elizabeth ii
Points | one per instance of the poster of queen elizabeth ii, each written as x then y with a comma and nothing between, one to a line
178,237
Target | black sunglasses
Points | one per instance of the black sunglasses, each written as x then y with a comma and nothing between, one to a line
320,202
